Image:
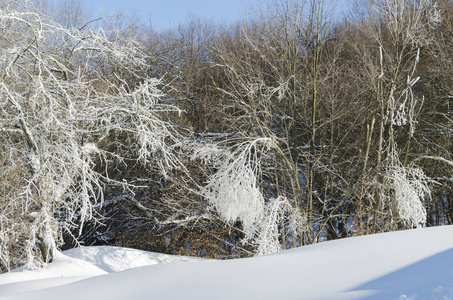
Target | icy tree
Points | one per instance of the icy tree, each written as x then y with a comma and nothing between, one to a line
402,186
233,191
71,100
409,189
269,228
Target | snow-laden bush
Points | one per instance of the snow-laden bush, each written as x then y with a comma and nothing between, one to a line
410,190
233,191
278,211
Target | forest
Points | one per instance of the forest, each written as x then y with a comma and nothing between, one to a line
291,127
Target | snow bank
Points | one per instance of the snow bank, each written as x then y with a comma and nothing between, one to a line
115,259
413,264
61,271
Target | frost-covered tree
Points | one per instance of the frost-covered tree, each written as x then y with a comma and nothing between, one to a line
235,192
398,30
282,76
73,102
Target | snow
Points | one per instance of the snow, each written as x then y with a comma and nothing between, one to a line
412,264
115,259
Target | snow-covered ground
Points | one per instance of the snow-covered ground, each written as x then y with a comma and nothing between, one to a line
413,264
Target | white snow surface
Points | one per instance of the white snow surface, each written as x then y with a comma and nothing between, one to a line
411,264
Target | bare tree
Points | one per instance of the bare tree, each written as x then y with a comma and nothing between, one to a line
396,30
273,67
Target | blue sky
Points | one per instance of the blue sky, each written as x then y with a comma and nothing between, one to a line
165,14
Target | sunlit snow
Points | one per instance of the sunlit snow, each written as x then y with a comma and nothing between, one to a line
412,264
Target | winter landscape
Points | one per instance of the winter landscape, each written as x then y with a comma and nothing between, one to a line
293,154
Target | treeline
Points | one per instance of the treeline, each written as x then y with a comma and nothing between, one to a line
288,128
